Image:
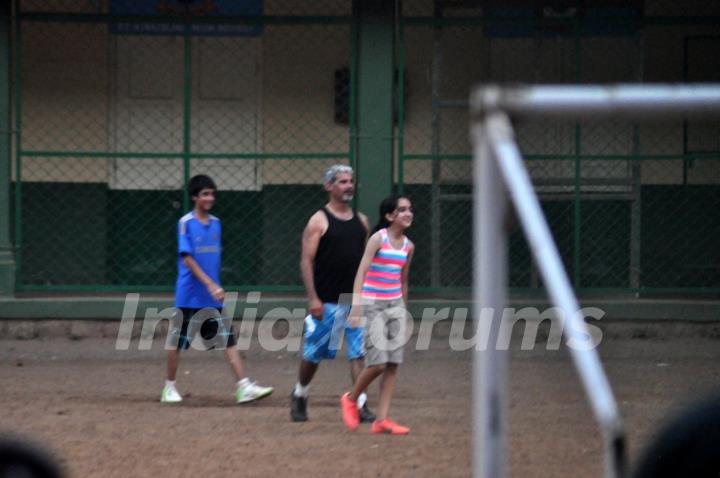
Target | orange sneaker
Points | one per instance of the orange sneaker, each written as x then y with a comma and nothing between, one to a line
350,413
388,426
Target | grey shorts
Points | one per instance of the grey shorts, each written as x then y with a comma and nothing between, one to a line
384,331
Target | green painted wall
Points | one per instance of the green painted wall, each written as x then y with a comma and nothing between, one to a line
100,242
64,233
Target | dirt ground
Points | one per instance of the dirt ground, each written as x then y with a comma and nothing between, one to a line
97,409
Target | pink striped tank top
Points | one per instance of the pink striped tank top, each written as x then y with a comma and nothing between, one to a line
384,277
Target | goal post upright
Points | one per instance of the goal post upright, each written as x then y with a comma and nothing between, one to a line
499,173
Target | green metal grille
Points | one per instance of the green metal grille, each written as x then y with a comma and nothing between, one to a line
109,126
630,205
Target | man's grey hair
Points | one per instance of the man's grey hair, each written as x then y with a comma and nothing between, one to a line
331,173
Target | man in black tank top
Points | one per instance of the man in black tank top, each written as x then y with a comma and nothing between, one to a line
333,243
337,253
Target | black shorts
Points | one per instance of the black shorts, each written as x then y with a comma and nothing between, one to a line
216,331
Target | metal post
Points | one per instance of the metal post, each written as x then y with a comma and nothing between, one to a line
375,141
635,213
685,123
18,147
630,101
400,101
577,205
7,262
636,186
187,111
435,209
489,300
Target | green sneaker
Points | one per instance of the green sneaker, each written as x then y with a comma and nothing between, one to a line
170,395
252,392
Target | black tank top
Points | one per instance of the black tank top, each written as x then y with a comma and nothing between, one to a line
338,257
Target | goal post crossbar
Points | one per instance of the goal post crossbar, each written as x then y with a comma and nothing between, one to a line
499,174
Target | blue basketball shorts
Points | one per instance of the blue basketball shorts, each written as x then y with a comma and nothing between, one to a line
324,337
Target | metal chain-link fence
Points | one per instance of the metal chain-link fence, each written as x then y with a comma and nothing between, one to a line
632,207
117,106
114,114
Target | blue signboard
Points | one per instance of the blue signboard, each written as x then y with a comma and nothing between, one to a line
189,9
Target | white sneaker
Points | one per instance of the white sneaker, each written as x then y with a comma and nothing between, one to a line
170,395
251,392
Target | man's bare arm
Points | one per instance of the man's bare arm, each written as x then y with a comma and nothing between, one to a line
364,221
314,230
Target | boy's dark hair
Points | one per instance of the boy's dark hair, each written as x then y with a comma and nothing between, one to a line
200,182
387,206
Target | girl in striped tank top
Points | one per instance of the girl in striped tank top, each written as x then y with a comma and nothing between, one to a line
379,296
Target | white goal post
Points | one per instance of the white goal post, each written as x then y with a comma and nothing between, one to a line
498,175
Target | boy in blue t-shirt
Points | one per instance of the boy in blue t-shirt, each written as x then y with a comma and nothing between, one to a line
199,296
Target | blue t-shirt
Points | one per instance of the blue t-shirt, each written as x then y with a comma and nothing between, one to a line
202,242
